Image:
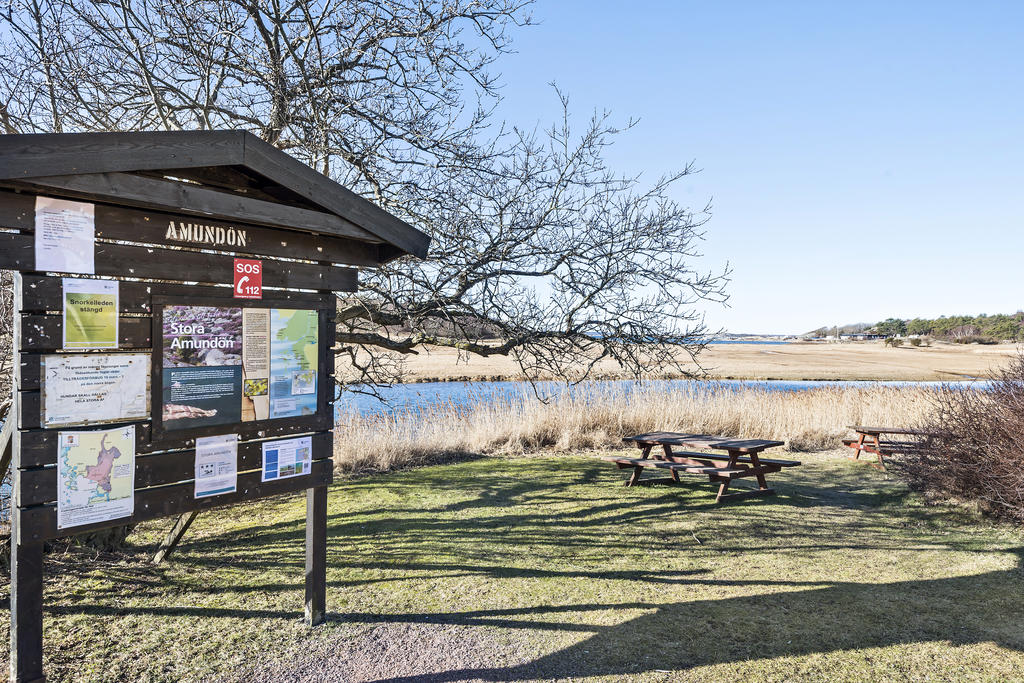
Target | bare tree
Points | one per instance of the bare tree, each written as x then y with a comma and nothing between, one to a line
536,241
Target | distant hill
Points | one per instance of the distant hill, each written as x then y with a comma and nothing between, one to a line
836,330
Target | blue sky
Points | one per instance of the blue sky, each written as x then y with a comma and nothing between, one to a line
865,160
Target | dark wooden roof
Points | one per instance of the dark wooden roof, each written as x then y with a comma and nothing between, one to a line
229,173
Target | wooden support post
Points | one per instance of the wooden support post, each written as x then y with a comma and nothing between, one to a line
26,610
316,555
170,542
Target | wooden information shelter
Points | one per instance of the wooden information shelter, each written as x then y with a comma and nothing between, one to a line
213,258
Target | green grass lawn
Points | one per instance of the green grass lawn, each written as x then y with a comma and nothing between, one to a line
547,568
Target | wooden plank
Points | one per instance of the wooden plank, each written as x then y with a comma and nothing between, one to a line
46,293
26,609
118,223
703,441
316,555
39,523
121,260
39,485
174,536
39,446
293,174
140,191
46,332
26,156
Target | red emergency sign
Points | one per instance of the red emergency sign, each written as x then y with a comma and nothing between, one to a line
248,278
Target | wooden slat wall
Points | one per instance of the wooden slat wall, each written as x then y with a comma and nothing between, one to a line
164,469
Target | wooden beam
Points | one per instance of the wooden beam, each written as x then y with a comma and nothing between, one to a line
316,555
124,188
26,610
300,178
175,535
27,156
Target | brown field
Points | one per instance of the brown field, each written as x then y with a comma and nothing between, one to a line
798,360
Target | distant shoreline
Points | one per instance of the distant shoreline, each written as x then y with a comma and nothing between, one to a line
764,361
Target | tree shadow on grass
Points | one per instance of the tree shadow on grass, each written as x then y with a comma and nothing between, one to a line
677,636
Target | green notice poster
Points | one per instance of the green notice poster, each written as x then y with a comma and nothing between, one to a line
90,314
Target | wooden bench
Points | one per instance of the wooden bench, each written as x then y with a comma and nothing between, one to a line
741,460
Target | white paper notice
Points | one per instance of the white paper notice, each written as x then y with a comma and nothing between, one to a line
216,465
65,236
287,458
86,388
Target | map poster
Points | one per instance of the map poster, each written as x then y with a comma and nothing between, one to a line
202,366
80,388
90,313
95,476
287,458
293,362
216,465
65,236
255,364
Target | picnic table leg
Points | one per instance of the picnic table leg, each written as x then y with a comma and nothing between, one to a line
856,451
668,456
761,481
637,470
724,486
878,452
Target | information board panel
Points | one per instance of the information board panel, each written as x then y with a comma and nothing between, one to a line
234,365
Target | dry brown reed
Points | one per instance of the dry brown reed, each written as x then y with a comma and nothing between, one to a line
598,418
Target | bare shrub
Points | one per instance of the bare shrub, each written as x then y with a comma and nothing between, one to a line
977,455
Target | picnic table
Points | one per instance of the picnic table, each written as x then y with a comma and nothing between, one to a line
740,458
871,440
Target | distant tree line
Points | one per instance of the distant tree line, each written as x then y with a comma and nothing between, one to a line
958,328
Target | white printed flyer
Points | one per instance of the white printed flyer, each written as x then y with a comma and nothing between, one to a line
216,465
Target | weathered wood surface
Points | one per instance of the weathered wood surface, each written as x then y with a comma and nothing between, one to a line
121,260
45,293
38,155
26,611
39,484
39,523
46,332
878,431
35,156
174,536
139,191
117,223
703,441
316,555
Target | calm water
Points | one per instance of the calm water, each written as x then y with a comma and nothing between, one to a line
412,397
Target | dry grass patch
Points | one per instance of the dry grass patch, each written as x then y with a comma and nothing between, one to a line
599,418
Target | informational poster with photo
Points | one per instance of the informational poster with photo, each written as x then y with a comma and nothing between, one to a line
294,351
88,388
95,476
202,366
90,313
287,458
255,364
65,236
216,465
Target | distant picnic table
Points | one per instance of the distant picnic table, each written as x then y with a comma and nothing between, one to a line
872,440
741,458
